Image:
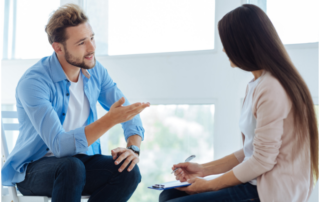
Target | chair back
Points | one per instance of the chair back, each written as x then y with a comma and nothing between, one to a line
5,151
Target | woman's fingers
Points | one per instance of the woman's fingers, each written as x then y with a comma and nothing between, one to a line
181,165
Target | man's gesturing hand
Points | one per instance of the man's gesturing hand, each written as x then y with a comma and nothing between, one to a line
120,114
128,155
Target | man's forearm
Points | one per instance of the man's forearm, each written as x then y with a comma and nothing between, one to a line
96,129
221,165
134,140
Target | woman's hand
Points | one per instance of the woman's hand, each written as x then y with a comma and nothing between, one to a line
188,171
198,185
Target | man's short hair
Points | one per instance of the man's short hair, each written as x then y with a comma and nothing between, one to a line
68,15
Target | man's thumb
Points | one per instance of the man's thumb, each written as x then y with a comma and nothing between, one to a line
119,102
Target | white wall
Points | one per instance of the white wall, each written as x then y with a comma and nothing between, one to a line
193,77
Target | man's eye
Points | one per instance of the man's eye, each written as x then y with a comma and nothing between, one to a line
81,43
92,38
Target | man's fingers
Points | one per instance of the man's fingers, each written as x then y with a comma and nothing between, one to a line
119,103
133,163
121,157
126,163
132,106
114,156
136,111
118,151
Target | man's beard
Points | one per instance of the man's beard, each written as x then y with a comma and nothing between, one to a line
76,62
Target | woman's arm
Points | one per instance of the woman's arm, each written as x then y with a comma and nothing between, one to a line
199,185
221,165
189,170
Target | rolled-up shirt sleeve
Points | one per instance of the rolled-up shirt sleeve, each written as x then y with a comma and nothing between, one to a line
271,106
34,95
109,94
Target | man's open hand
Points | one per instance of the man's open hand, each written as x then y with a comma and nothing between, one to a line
120,114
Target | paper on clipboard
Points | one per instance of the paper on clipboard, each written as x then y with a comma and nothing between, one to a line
177,183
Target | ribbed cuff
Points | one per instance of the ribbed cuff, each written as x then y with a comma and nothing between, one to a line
239,155
245,171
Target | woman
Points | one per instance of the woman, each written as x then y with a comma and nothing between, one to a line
279,158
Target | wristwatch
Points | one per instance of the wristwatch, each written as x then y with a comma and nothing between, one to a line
134,149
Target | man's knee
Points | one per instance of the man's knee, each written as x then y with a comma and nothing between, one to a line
132,178
136,175
72,169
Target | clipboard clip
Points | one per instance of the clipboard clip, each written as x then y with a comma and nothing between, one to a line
158,186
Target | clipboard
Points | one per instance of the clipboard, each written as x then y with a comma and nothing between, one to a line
177,183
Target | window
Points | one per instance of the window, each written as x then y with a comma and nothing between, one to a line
143,26
296,21
97,12
173,132
24,35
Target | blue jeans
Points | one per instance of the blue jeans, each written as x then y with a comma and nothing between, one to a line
243,192
67,178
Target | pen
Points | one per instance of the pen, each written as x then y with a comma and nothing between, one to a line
187,160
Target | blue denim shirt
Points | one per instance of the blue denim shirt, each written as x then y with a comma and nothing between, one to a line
42,97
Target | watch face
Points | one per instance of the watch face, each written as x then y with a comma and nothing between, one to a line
135,148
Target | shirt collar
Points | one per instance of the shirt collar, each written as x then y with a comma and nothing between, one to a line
57,71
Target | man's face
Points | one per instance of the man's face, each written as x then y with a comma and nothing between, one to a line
80,46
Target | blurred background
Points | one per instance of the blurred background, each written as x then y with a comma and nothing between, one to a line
168,53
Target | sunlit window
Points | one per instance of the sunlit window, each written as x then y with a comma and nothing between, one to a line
172,133
25,34
144,26
296,21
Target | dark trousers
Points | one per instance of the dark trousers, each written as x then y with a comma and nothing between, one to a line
243,192
67,178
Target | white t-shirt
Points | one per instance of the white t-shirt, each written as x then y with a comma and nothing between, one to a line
78,108
247,123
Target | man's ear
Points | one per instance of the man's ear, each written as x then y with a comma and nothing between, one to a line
57,47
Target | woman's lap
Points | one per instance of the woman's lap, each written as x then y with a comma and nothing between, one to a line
243,192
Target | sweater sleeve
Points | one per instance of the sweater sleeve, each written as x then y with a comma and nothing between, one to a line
271,106
239,155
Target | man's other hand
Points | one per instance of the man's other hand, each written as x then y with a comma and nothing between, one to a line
127,155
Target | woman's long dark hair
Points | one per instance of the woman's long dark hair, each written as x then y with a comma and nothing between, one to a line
252,43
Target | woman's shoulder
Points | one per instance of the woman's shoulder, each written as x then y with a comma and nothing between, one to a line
271,89
270,85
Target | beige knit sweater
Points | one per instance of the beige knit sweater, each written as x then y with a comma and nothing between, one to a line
283,171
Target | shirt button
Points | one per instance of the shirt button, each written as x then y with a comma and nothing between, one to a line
63,114
47,149
67,94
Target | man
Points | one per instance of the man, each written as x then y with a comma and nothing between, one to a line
57,153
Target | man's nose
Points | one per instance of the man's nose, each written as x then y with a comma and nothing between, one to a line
91,46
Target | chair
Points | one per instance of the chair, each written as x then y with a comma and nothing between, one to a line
10,194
